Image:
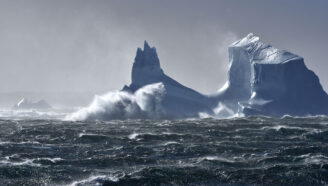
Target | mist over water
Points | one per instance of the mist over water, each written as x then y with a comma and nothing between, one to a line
144,103
254,150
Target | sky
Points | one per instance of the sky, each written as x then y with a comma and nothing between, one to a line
80,46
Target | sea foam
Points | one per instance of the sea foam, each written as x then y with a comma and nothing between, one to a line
144,103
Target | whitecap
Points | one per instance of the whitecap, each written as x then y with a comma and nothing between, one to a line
53,160
144,103
216,158
94,180
20,163
170,143
315,159
133,135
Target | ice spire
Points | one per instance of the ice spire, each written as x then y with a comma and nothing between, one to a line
146,46
146,57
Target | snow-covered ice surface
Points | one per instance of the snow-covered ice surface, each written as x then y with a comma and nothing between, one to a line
262,80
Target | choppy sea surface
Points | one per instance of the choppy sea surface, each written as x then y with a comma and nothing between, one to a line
237,151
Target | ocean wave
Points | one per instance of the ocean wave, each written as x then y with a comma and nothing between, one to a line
29,162
216,158
221,111
18,143
144,103
33,114
247,150
94,180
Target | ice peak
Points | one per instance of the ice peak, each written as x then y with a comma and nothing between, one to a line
250,39
146,57
146,46
146,66
22,101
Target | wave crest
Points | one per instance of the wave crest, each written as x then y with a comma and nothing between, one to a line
144,103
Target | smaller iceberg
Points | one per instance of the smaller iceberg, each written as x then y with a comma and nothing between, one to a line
26,104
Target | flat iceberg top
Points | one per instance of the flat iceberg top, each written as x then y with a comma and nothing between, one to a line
263,53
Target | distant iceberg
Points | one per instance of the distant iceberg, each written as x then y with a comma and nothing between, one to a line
262,80
26,104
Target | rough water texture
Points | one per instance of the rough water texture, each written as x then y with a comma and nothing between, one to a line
251,151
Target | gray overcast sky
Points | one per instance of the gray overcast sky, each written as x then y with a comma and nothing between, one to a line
78,46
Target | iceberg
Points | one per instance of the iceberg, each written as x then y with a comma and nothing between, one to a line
179,101
262,80
26,104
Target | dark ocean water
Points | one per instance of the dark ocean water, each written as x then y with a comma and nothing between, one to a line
240,151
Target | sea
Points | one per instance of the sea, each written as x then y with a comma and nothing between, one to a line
47,150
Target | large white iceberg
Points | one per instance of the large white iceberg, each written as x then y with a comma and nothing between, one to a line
262,80
267,81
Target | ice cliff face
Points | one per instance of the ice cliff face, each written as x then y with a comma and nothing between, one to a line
264,80
179,101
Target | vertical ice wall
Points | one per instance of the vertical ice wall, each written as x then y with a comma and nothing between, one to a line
264,80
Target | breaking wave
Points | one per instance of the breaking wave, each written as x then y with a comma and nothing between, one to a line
144,103
33,114
220,112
